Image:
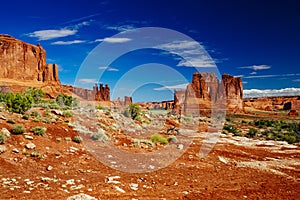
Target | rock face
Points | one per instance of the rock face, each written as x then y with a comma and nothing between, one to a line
293,113
25,62
205,91
101,93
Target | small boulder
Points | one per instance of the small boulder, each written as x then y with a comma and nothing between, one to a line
2,148
30,145
5,132
81,196
293,113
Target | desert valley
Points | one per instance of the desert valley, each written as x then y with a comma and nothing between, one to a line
54,137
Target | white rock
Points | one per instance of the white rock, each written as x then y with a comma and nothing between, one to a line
28,137
134,186
180,146
119,189
30,145
5,132
2,148
81,197
15,150
49,168
223,160
70,182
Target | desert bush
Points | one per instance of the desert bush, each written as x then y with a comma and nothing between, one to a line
67,113
36,94
126,112
157,138
99,136
18,103
77,139
35,154
134,111
18,129
26,116
2,137
138,142
35,113
39,130
252,132
65,100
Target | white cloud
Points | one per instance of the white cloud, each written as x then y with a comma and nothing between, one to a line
111,69
87,80
272,75
272,92
121,28
113,40
193,54
68,42
253,73
52,34
296,80
172,87
256,67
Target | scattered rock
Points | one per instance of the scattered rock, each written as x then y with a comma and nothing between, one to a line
15,150
2,117
5,132
119,189
111,179
49,168
222,159
30,145
81,196
2,148
134,186
180,146
29,137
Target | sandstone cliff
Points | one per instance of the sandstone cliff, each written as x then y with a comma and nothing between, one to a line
205,91
22,61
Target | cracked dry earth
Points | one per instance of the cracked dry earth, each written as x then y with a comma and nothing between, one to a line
236,168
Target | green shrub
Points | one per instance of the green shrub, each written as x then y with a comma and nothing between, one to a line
99,136
35,113
65,100
35,154
67,113
252,132
2,137
18,129
77,139
36,94
39,130
157,138
11,121
18,103
26,116
134,111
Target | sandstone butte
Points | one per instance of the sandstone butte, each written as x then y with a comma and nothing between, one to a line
24,65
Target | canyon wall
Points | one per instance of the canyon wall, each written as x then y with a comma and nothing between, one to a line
25,62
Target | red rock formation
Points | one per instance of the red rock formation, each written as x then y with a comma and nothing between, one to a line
97,94
127,101
25,62
293,113
205,92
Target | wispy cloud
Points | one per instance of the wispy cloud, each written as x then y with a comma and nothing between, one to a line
272,75
172,87
87,80
192,52
256,67
68,42
272,92
111,69
121,28
52,34
113,40
296,80
253,73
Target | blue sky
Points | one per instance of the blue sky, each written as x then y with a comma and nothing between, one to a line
257,40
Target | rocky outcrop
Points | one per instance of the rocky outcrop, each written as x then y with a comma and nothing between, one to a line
25,62
101,93
205,91
127,101
293,113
